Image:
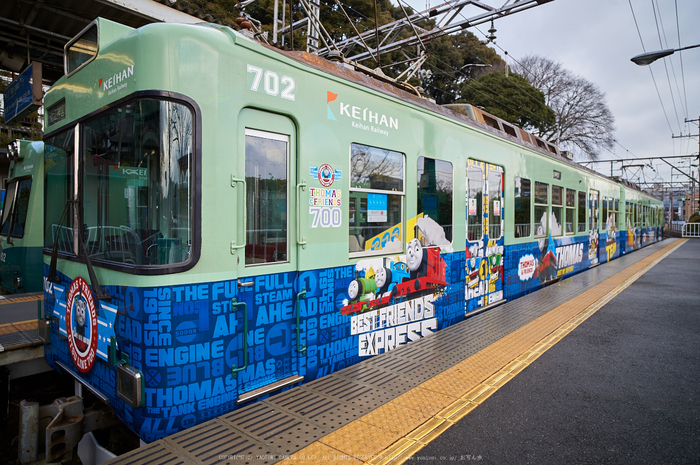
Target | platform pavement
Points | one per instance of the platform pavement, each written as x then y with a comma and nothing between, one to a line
19,307
621,388
21,348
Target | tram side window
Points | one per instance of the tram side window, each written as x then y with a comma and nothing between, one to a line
136,186
629,215
647,223
475,199
377,194
435,190
267,186
582,212
14,213
605,211
593,205
612,215
541,205
523,198
557,202
570,210
58,189
495,185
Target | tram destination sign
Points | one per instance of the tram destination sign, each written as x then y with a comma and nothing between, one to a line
23,95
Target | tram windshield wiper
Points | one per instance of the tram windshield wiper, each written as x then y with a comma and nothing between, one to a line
53,277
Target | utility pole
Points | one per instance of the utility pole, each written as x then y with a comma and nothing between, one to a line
693,204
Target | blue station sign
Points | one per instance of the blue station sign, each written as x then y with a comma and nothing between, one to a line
23,95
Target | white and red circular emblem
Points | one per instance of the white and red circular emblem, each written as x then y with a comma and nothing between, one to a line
326,175
81,324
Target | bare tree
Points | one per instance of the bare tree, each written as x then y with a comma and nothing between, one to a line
584,122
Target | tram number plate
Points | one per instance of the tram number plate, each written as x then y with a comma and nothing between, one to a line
325,217
271,83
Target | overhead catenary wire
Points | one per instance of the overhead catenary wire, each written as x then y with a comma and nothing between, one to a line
668,77
650,70
683,105
680,55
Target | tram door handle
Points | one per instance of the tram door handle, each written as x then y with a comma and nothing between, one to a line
301,187
234,305
239,244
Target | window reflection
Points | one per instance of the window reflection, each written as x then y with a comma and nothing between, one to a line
58,189
376,199
136,187
475,199
435,193
16,208
266,197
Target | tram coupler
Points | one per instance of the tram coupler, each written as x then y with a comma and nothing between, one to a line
61,425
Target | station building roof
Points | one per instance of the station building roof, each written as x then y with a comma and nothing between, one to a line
37,30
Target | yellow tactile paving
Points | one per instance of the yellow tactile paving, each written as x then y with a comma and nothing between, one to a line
424,400
24,298
399,429
359,439
395,417
321,454
10,328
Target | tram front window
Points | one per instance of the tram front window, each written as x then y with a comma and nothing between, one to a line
136,184
58,190
16,207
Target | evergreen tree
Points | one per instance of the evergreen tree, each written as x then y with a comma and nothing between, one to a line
510,98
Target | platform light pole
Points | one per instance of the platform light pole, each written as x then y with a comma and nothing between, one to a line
650,57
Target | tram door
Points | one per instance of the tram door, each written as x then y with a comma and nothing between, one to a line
593,248
485,253
266,307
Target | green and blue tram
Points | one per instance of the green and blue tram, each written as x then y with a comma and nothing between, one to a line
21,221
224,220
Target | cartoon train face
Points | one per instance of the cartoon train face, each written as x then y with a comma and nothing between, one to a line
424,271
388,276
361,288
382,278
414,255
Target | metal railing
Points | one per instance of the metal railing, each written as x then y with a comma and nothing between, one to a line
691,230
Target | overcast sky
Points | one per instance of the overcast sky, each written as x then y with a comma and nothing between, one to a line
596,39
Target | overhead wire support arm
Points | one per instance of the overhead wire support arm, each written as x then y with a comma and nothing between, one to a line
340,6
452,20
679,170
322,30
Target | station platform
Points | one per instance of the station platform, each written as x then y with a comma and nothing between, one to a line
19,340
415,403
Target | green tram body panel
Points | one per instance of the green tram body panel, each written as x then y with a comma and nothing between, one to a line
21,237
330,256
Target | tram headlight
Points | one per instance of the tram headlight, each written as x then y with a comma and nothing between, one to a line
13,150
130,386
